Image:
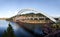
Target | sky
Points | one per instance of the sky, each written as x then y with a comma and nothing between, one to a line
9,8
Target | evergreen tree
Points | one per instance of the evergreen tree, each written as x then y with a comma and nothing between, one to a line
9,32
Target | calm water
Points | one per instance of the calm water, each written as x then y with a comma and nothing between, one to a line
19,31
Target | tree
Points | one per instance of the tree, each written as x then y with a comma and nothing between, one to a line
9,32
5,34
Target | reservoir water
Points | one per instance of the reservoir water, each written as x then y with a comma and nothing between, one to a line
19,31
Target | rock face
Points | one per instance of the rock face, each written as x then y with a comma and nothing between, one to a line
54,34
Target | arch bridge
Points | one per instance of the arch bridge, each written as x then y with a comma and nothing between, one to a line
33,19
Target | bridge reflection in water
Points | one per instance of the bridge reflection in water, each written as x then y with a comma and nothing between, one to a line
36,31
19,30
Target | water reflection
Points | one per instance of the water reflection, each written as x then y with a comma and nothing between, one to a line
19,31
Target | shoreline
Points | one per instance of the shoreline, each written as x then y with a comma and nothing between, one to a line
3,18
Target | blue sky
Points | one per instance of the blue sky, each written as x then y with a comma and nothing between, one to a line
9,8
